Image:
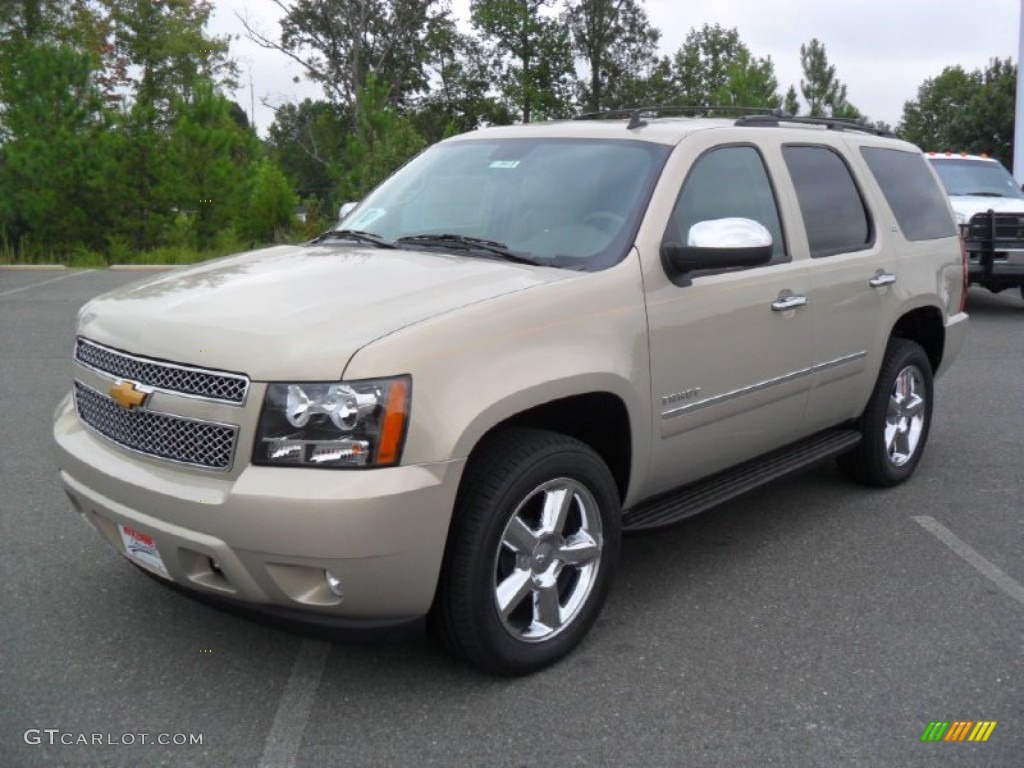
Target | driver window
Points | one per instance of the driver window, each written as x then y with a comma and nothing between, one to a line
727,182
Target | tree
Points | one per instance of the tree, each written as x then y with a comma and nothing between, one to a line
617,42
701,65
341,43
383,142
210,154
270,212
965,111
306,141
824,93
532,55
50,121
461,96
749,82
166,50
791,105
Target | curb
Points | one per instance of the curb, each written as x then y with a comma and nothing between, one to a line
31,267
143,267
115,267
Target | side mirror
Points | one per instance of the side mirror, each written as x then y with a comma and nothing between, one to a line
346,209
717,244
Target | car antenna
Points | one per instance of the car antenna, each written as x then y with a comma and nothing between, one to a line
635,121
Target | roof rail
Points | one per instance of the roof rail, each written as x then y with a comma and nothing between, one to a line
636,114
831,123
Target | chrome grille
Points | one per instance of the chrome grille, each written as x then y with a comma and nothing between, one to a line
200,443
169,377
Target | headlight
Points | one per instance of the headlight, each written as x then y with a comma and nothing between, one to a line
334,424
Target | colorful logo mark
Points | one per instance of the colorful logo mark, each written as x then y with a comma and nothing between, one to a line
958,730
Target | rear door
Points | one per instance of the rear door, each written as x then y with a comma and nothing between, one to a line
853,279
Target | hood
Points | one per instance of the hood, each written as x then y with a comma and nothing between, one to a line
295,312
967,205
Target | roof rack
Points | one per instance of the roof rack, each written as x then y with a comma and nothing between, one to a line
749,116
636,114
831,123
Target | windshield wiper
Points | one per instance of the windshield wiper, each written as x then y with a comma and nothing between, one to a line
465,242
981,194
354,234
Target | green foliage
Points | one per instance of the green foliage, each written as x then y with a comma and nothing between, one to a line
48,124
307,140
341,43
384,141
791,104
114,140
749,82
714,66
165,43
462,98
824,93
701,65
618,45
270,213
965,111
532,62
210,154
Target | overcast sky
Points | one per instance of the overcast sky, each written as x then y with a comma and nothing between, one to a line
882,49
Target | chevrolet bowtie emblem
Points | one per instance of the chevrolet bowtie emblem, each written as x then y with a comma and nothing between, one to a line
126,395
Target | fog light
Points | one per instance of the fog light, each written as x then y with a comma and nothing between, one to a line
334,584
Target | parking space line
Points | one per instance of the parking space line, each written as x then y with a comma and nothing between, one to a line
281,749
44,282
988,569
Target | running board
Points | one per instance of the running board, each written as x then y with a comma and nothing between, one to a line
712,491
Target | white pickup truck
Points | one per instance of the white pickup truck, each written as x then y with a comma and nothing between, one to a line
989,207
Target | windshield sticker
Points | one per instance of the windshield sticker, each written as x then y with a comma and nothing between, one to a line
365,218
504,164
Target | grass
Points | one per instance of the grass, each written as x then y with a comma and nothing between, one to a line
80,257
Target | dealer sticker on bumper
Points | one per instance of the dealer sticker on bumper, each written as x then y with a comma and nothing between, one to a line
141,549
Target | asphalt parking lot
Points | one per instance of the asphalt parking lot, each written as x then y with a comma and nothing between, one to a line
810,624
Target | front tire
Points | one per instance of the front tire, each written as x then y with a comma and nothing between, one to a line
897,419
533,546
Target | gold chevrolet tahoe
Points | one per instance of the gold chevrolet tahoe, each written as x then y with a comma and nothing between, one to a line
526,341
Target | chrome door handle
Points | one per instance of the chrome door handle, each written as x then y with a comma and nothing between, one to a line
792,301
881,279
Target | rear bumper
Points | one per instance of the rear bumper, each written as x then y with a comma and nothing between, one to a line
268,536
956,333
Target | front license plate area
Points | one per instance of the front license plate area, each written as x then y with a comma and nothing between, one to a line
141,550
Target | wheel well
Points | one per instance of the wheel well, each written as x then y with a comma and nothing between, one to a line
924,325
598,419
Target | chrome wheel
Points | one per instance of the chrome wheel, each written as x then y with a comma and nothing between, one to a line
905,417
548,560
895,421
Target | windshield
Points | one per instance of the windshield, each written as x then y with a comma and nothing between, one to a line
983,178
560,202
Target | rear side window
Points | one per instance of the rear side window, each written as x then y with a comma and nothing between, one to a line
833,209
910,189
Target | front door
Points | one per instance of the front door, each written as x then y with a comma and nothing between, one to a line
730,351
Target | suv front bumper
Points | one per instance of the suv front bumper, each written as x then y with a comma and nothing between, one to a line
270,535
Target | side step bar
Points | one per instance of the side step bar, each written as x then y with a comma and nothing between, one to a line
712,491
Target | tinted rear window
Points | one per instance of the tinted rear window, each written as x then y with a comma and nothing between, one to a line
910,189
833,210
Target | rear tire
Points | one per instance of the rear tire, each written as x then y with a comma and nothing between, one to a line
896,421
533,546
